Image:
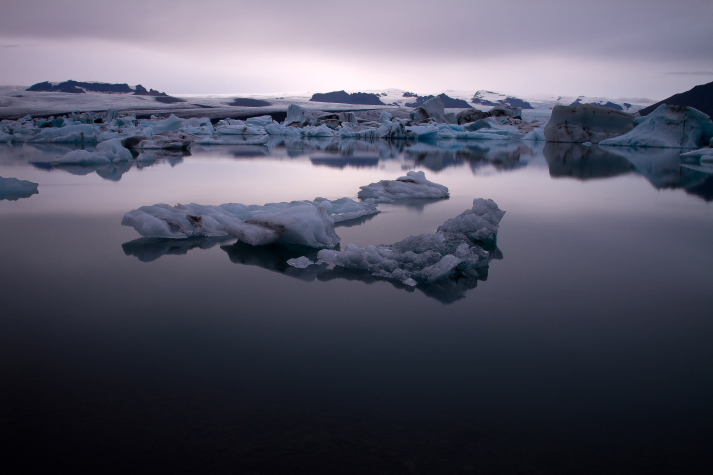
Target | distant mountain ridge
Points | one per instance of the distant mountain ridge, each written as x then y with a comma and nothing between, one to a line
448,102
78,87
489,98
700,97
343,97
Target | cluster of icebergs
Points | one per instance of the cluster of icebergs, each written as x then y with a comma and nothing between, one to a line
123,138
459,246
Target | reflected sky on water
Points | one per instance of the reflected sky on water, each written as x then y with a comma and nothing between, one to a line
584,347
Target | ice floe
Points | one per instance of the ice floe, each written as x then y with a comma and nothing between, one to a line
459,245
192,220
12,189
413,185
308,223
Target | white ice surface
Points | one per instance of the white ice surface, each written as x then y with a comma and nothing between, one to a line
413,185
183,221
668,127
459,243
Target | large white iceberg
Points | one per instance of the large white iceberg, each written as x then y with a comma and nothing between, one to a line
460,245
413,185
193,220
668,127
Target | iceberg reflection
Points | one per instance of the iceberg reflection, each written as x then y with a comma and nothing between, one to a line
114,171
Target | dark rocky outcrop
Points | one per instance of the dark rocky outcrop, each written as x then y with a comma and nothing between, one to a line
448,102
586,123
700,97
166,99
248,102
77,87
343,97
608,104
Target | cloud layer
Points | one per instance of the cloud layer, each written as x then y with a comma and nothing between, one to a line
277,45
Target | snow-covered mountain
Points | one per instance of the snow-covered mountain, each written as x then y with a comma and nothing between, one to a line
17,101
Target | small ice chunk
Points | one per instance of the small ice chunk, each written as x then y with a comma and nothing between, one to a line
300,262
261,121
413,185
168,125
13,189
114,150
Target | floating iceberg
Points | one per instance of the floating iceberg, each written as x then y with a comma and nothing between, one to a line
193,220
459,245
413,185
586,123
304,224
13,189
668,127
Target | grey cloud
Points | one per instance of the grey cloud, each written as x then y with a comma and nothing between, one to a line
691,73
654,30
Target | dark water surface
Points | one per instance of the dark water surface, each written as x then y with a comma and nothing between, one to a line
588,348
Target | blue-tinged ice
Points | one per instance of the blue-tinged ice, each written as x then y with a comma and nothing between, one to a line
460,245
413,185
668,127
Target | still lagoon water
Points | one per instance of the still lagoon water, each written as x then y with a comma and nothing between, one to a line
586,348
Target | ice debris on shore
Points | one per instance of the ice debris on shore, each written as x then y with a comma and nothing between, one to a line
668,127
13,189
460,245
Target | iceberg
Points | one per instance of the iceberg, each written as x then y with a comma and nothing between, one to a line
304,225
586,123
413,185
12,189
114,151
459,246
668,127
194,220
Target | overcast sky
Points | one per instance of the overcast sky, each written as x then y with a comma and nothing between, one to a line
616,49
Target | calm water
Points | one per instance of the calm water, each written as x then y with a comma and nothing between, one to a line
588,348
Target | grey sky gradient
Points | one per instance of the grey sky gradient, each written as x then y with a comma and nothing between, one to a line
616,48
